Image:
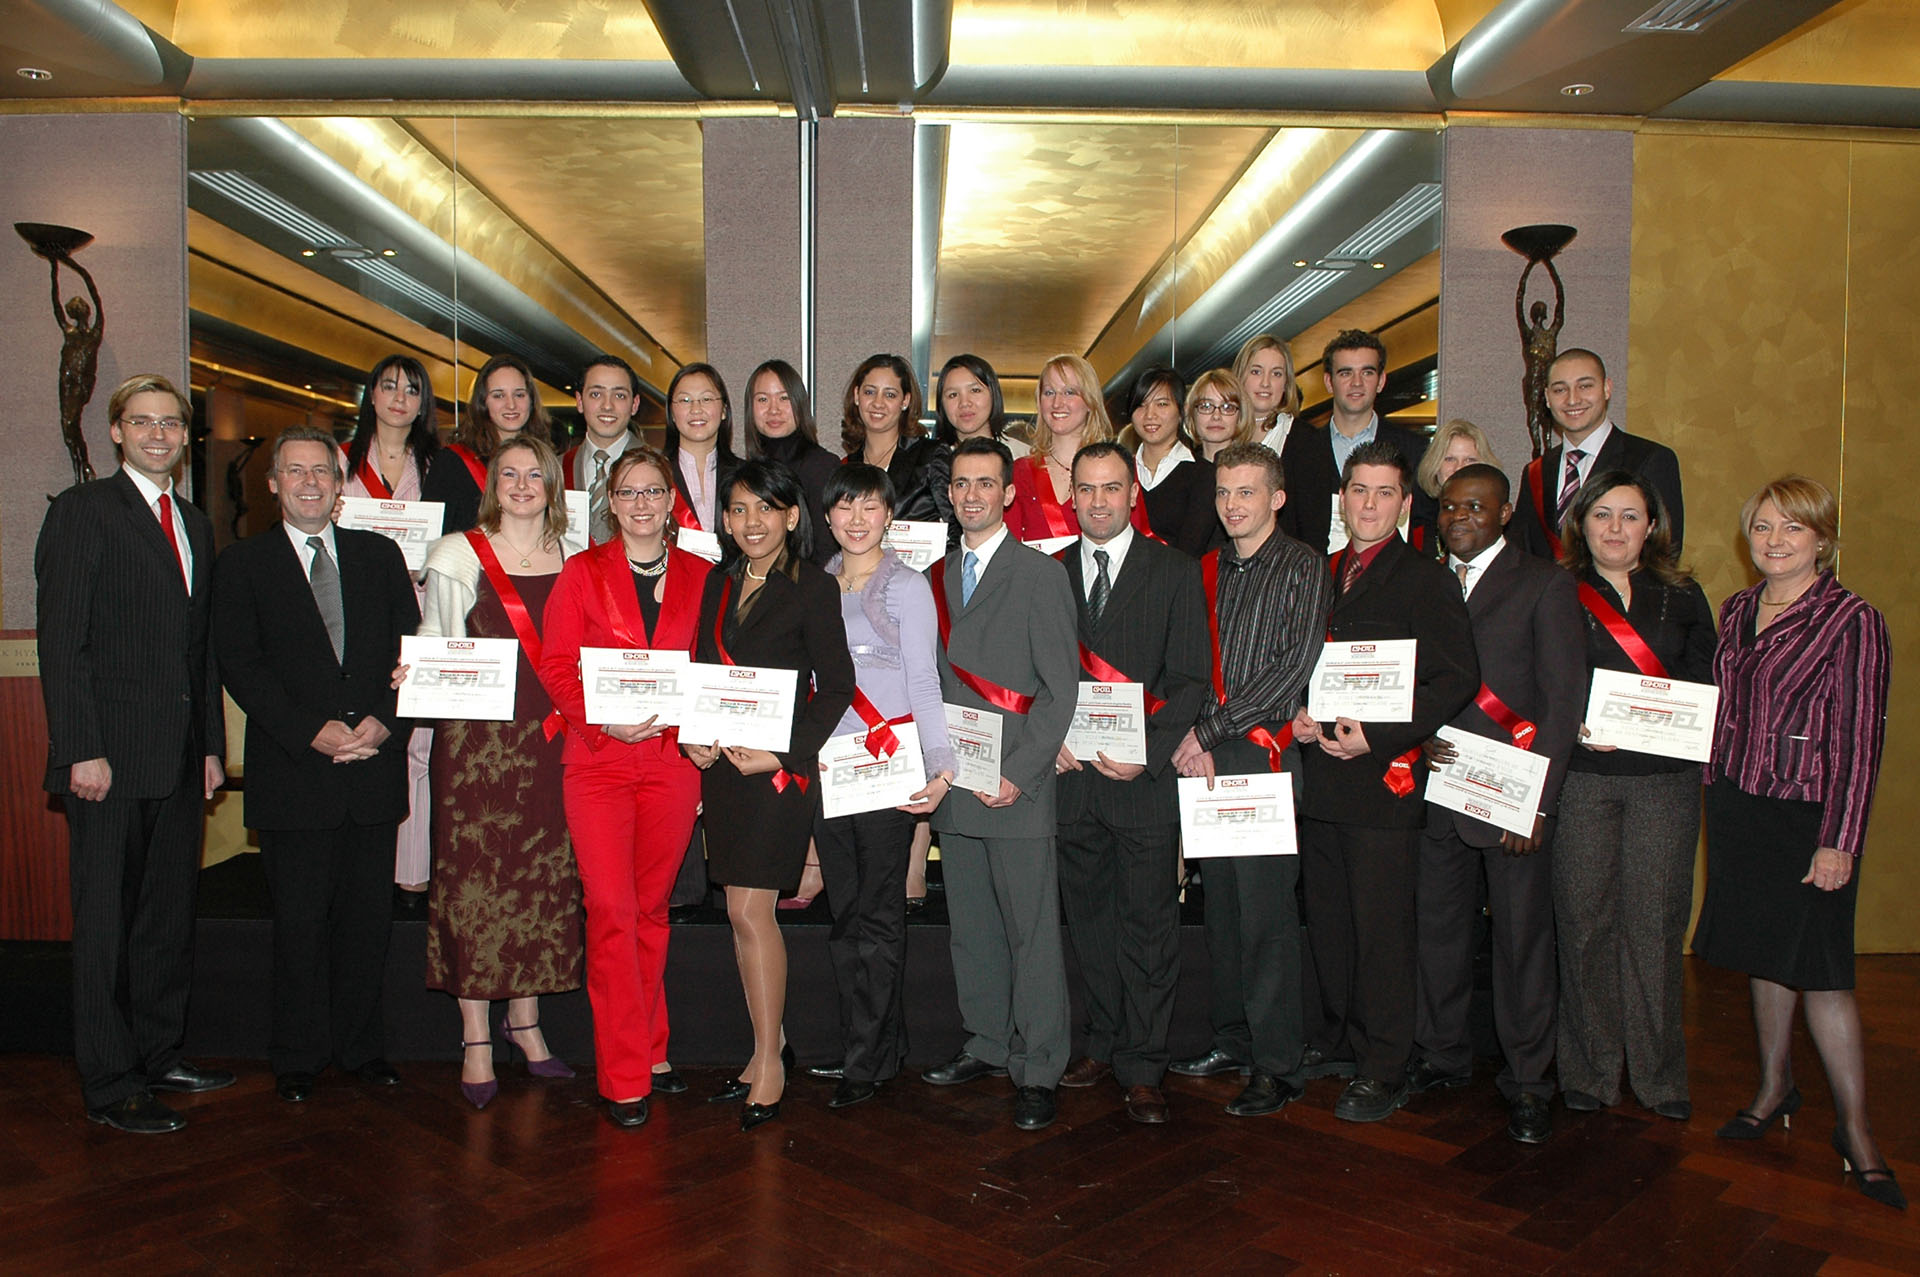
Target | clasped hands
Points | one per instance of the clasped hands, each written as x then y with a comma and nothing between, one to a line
345,744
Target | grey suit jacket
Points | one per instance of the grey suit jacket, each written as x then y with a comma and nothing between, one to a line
1019,632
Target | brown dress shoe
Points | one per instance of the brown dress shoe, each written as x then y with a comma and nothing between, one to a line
1146,1104
1085,1071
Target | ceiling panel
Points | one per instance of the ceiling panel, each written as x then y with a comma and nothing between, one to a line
1857,42
592,30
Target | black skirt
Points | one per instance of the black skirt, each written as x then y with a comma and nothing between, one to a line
1758,917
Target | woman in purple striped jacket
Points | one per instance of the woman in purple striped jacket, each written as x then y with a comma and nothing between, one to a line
1802,669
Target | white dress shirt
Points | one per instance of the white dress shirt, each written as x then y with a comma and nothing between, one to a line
1477,565
1116,555
305,551
151,492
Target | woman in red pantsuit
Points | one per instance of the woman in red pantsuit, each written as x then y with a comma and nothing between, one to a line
630,793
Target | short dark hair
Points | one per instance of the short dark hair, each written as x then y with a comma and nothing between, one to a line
988,448
983,373
1253,454
856,480
1354,339
1481,470
1375,452
1105,448
1579,352
610,361
780,488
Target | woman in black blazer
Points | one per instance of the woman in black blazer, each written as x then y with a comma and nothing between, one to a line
771,607
780,428
880,425
505,404
1176,482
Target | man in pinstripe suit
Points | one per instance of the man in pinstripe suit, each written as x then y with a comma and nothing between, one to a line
134,742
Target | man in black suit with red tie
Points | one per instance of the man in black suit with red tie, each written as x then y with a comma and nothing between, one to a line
135,738
307,625
1578,394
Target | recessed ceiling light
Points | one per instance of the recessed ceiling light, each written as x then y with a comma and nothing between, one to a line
1299,261
306,252
34,73
1379,265
1576,90
388,252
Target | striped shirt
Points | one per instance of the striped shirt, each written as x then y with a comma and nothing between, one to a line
1803,707
1273,608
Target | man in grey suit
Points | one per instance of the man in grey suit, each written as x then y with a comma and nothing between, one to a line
1007,629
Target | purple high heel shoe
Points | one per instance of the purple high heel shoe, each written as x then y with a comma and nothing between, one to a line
553,1066
479,1094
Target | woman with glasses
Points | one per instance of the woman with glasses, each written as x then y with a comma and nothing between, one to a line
1264,371
504,405
1175,486
967,404
1218,413
780,428
880,425
630,794
1071,416
699,445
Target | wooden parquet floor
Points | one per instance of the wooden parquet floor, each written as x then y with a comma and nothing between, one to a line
924,1180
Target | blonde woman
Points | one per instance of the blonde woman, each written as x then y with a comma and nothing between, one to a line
1264,369
1458,443
1218,413
1071,416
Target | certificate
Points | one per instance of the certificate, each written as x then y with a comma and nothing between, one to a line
975,735
578,534
1248,815
1052,545
1666,716
746,706
697,541
631,685
413,525
920,544
1369,682
1489,780
458,677
852,780
1110,719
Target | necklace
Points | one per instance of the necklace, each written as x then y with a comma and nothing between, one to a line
1767,602
849,584
651,568
526,556
751,576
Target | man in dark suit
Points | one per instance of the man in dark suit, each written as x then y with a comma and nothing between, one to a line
1140,619
1010,650
608,396
307,625
135,738
1578,392
1355,369
1528,635
1363,807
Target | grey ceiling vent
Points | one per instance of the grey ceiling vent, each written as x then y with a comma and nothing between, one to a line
1682,17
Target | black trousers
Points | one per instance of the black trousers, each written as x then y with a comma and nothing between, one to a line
1360,883
863,863
1525,970
132,865
332,915
1120,891
691,886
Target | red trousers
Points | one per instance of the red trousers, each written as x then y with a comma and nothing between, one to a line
630,815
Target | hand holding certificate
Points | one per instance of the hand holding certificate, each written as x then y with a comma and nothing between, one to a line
853,779
1489,780
412,525
631,685
1110,719
1370,682
1665,716
975,734
1237,816
458,677
745,706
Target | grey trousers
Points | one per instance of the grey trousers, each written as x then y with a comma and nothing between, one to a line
1009,968
1622,891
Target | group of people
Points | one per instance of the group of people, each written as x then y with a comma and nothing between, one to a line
1206,550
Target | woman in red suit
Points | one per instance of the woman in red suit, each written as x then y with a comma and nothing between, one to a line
1071,416
630,794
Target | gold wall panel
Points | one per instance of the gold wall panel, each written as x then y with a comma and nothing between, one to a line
1389,35
1857,42
573,29
620,200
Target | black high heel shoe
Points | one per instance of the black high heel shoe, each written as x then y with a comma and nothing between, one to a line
736,1090
1749,1125
752,1115
1883,1188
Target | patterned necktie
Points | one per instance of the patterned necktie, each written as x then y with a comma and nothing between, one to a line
969,565
597,526
1350,572
1571,484
325,582
1463,571
1102,586
173,542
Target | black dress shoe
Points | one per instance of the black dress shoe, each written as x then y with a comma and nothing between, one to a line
732,1093
1424,1077
1213,1064
1265,1093
1314,1063
294,1088
669,1083
1581,1102
1674,1110
827,1072
630,1114
850,1093
1034,1108
916,904
962,1068
184,1077
1368,1099
752,1115
1146,1105
377,1072
138,1114
1528,1119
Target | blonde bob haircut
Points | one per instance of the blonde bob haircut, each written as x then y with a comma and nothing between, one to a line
1428,475
1074,369
550,470
1221,383
1290,401
1806,502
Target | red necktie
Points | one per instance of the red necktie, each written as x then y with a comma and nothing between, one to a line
166,525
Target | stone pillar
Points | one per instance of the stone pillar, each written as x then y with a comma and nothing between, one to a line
751,174
863,255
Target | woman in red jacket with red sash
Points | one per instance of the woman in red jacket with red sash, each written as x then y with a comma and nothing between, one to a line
630,793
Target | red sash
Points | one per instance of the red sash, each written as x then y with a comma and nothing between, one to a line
1095,664
1623,633
683,513
1059,522
881,741
475,467
371,480
1536,475
781,777
517,614
1275,745
992,693
1517,727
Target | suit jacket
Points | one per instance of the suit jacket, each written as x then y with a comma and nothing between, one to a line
919,470
1181,511
1528,635
723,475
125,667
279,665
1652,461
1312,479
1400,595
449,482
1154,630
1018,632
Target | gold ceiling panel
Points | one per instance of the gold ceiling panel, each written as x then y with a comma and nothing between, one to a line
593,30
1457,17
1047,229
1858,42
1384,35
620,200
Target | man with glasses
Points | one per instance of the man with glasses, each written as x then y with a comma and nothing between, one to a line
608,398
135,739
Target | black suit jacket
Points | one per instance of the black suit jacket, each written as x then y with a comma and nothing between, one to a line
1154,630
125,668
1180,508
1532,647
279,665
723,475
449,482
1400,595
1312,479
1652,461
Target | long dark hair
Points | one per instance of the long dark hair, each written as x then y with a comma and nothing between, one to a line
1144,385
853,427
477,430
796,396
422,437
983,373
780,488
1657,556
723,441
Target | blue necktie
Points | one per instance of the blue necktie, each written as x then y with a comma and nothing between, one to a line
968,580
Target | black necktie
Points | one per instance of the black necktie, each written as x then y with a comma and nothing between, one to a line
1102,586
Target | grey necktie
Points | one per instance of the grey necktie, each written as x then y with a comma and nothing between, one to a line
597,497
969,563
1463,571
325,581
1102,586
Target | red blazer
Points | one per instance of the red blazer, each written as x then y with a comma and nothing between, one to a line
1033,492
576,617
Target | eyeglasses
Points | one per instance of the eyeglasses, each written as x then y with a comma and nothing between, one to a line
146,425
1216,407
300,474
634,494
709,402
